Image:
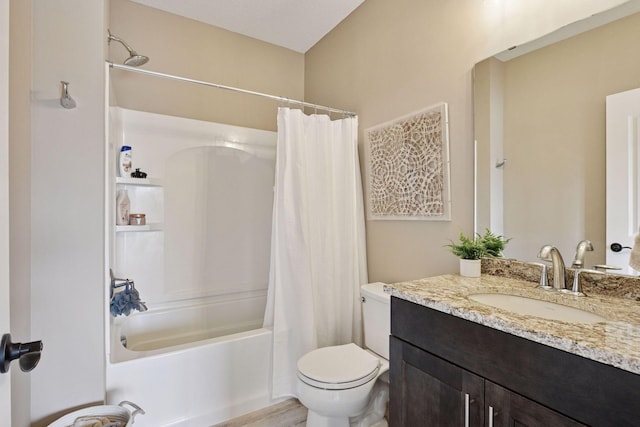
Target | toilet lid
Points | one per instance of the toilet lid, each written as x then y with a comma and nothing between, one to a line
338,367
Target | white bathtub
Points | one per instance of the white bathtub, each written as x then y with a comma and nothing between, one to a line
192,364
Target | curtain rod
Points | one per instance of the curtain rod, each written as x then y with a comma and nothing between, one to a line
231,88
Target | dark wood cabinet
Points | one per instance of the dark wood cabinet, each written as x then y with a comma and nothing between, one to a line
508,409
447,371
429,391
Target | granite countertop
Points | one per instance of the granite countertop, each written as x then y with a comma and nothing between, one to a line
615,342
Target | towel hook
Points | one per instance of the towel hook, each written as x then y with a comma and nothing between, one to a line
65,99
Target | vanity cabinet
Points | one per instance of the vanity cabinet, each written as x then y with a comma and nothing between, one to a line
507,408
447,371
429,391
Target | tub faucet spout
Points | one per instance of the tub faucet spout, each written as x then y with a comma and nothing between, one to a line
551,253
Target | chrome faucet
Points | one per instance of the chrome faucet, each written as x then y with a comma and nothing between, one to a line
583,246
551,253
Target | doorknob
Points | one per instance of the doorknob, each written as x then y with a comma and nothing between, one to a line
28,354
617,247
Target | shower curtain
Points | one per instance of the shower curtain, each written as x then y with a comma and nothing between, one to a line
318,258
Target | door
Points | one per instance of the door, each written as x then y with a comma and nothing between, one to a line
429,391
623,177
506,408
5,379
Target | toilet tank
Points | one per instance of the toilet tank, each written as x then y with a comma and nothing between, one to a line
376,314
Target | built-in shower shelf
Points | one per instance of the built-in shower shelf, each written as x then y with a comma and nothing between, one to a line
136,228
148,182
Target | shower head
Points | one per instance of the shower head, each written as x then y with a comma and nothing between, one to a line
134,59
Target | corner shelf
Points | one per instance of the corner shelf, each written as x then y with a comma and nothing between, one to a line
148,182
135,228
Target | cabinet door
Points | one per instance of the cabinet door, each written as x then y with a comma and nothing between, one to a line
506,408
429,391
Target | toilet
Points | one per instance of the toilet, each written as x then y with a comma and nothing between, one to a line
336,382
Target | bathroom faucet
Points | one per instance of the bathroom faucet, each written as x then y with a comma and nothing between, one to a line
551,253
578,260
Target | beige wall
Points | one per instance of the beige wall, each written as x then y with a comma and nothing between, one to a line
390,58
188,48
554,129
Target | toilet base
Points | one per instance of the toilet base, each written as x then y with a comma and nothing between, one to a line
316,420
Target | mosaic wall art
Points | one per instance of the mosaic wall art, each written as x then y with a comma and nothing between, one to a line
408,167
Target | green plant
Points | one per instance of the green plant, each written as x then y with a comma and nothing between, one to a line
468,248
489,245
493,243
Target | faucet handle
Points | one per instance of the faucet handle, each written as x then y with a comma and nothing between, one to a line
576,288
544,278
603,268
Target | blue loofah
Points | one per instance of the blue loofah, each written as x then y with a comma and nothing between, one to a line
124,301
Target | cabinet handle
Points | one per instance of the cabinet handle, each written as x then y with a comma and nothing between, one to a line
492,414
467,402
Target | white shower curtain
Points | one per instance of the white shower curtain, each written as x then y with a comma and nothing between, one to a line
318,258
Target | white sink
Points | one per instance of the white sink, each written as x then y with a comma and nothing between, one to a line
533,307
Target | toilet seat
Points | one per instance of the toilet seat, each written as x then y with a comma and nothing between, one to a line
338,367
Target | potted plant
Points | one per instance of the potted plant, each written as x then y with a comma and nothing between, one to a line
469,251
493,243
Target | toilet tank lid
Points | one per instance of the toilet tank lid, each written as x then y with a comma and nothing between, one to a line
375,291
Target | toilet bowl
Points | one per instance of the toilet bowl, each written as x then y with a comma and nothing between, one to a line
335,382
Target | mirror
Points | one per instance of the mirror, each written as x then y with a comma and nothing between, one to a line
539,115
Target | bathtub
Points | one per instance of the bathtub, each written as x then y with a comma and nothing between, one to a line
192,364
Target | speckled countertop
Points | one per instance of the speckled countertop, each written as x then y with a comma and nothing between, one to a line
615,342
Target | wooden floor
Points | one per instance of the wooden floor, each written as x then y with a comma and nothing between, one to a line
289,413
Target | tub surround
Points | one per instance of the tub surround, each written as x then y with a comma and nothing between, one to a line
615,342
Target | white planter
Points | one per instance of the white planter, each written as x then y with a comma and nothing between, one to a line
470,267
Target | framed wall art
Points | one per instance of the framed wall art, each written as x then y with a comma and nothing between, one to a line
407,164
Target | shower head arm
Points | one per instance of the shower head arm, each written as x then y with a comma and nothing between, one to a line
119,40
134,58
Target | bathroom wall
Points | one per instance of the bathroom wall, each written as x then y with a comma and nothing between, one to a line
388,59
188,48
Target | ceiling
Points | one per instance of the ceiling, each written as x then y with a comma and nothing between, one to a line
293,24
